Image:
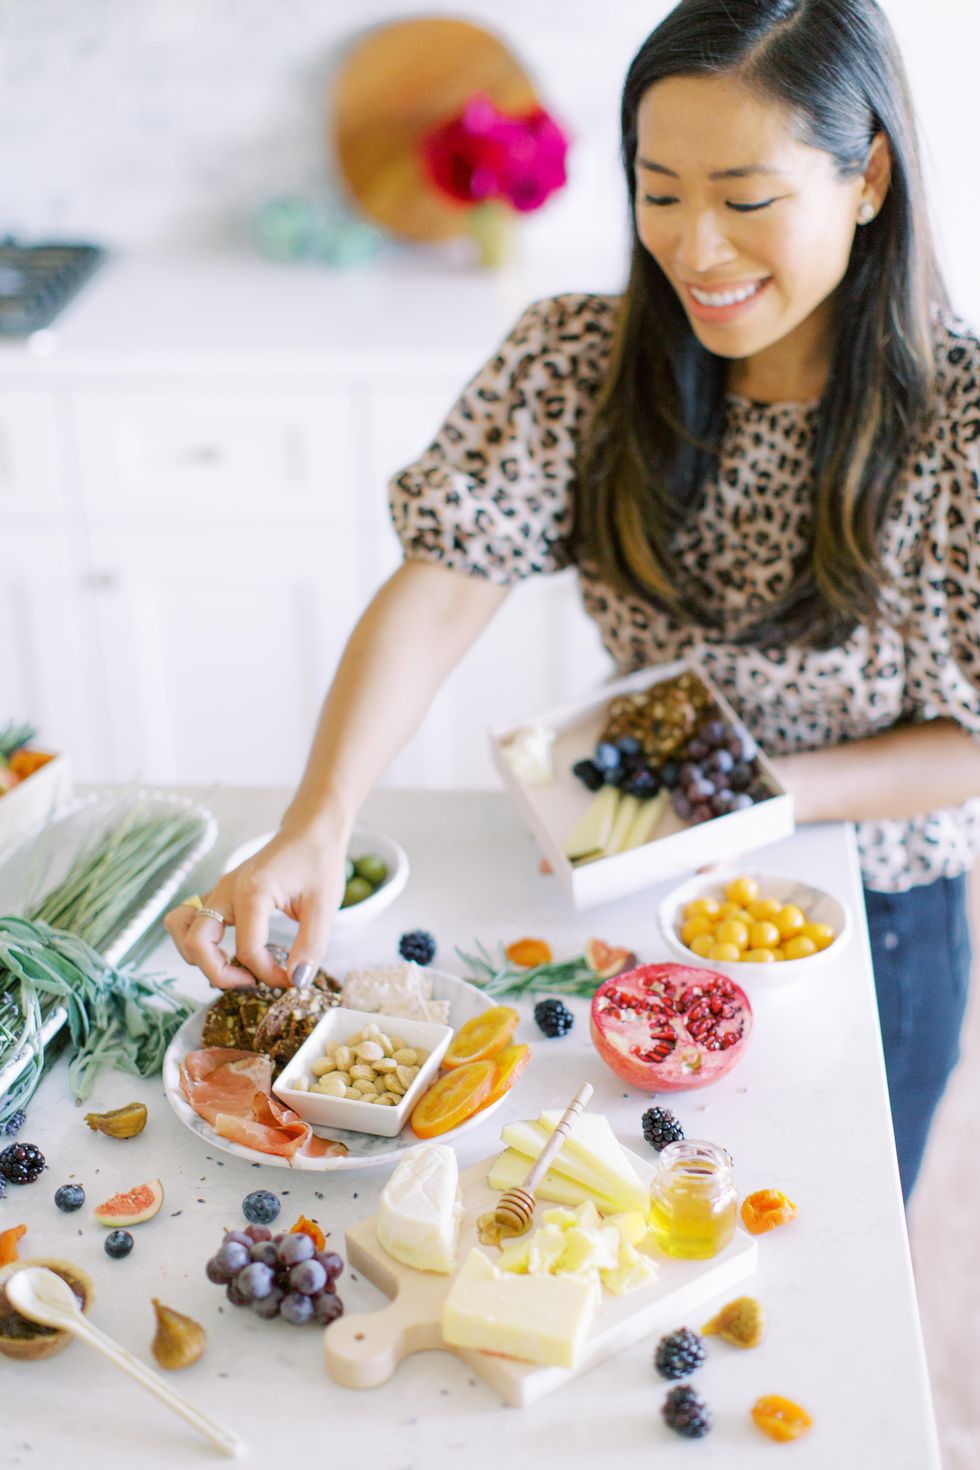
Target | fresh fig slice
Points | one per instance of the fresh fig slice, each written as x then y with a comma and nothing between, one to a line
132,1208
606,960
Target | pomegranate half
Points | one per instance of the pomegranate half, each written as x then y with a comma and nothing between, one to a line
666,1028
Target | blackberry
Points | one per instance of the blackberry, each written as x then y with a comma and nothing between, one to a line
660,1127
118,1243
21,1163
14,1123
3,1187
686,1413
643,784
261,1207
69,1197
589,774
554,1017
417,946
679,1354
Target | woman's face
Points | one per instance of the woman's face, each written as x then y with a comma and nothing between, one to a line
729,203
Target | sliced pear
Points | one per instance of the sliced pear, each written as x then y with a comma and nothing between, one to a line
626,813
647,820
593,829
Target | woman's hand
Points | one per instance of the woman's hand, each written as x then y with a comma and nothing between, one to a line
299,874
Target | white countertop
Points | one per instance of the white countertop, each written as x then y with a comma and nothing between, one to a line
805,1110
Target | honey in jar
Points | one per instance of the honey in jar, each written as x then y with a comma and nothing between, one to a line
693,1200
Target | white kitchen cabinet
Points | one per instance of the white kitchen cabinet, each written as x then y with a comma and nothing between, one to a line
31,480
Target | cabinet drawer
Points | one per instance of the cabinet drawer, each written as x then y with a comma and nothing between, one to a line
211,449
28,451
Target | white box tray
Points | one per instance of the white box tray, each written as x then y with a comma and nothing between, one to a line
551,810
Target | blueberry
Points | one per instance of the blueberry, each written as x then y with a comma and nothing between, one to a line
118,1243
589,774
629,745
261,1207
607,755
69,1197
643,785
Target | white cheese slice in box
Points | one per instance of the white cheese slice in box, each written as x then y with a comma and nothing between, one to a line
539,1319
420,1209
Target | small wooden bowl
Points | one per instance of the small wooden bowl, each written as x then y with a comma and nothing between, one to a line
20,1338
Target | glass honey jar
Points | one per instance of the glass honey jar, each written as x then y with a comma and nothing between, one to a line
693,1200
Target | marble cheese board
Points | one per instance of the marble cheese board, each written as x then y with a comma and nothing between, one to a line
364,1350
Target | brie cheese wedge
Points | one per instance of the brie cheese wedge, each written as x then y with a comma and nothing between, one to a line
420,1209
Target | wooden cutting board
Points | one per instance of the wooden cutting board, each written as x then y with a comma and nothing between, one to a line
392,88
363,1351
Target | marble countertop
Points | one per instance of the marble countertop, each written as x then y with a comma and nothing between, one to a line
805,1110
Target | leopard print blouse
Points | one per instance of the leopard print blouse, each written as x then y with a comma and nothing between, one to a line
492,497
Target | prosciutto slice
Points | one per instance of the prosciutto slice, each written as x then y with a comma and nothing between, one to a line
231,1090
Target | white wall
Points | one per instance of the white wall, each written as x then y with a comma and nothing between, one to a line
156,123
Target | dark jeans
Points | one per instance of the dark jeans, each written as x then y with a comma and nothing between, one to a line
920,945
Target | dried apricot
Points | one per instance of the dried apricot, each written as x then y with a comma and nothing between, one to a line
453,1099
742,1322
765,1209
481,1037
780,1418
9,1241
529,952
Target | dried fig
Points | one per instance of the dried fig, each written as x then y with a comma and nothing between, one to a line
121,1122
179,1340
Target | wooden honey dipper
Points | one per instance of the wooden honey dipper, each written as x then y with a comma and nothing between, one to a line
515,1208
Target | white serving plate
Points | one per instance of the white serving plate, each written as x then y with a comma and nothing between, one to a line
819,905
551,810
345,1112
35,799
64,837
363,840
366,1149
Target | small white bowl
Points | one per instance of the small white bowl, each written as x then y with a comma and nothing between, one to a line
363,841
345,1112
818,905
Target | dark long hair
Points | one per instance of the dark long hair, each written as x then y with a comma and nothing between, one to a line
660,416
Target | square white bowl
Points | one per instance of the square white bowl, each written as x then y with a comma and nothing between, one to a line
344,1112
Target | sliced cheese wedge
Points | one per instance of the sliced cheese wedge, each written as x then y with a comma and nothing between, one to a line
419,1211
510,1169
593,1144
530,1138
592,830
647,820
626,813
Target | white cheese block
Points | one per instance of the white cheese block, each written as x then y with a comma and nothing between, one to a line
593,1143
540,1319
419,1212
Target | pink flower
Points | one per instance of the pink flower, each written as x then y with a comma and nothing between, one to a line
485,154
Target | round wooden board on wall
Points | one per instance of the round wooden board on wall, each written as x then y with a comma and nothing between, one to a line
392,88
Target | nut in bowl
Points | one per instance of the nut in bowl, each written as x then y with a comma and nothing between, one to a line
354,1056
761,928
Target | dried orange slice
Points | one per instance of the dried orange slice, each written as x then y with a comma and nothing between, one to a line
765,1209
529,952
780,1418
452,1099
508,1066
481,1037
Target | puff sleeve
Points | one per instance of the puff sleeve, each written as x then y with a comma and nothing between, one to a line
492,495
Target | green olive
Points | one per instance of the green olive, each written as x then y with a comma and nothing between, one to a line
356,891
348,870
372,869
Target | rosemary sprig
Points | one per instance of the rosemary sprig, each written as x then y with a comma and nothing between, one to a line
561,977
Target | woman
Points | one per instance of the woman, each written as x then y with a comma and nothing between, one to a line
763,454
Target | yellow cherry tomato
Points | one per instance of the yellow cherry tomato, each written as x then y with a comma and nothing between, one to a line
789,920
778,954
763,935
821,934
706,905
764,908
732,931
761,956
729,909
699,924
724,952
799,947
742,890
702,945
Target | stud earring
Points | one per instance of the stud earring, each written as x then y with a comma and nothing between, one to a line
866,213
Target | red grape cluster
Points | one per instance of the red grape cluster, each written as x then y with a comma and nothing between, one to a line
278,1275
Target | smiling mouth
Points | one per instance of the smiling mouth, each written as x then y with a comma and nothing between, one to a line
732,297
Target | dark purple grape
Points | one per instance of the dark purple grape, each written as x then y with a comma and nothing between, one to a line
688,772
308,1277
266,1252
634,762
327,1307
680,804
758,792
742,746
235,1295
642,785
255,1282
256,1233
268,1306
331,1263
701,813
700,790
217,1273
669,774
740,776
721,802
296,1247
236,1237
697,749
233,1255
721,761
296,1308
741,802
715,732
